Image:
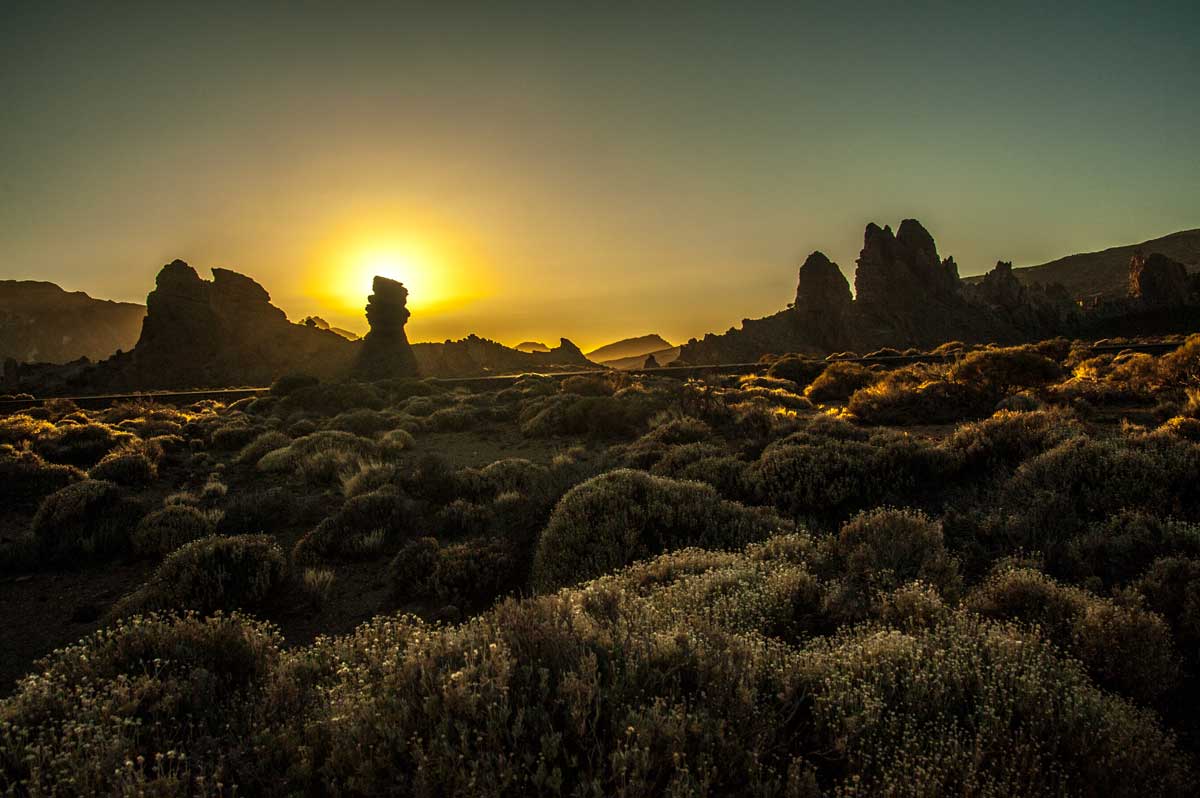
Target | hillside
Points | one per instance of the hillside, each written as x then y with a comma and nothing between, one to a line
39,321
664,357
628,347
1106,273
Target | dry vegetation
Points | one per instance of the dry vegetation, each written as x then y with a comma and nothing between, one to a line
979,576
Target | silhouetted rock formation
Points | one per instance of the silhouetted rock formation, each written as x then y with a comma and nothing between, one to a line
823,299
385,349
1157,281
475,356
651,362
201,333
321,324
906,296
40,322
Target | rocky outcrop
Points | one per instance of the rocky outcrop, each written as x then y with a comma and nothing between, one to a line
823,300
221,332
385,351
40,322
475,356
907,295
1156,281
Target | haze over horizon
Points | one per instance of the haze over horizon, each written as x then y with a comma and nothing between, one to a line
589,173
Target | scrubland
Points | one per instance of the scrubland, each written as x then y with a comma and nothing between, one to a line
974,577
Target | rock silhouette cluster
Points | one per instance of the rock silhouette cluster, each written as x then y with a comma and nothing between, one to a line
385,351
907,295
222,331
476,356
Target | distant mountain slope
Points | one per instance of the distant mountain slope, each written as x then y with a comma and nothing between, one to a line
629,347
1106,273
39,321
531,346
664,357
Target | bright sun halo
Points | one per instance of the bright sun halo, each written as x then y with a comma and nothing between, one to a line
407,263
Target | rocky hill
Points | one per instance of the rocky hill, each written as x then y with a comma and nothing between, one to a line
531,346
40,322
475,356
1105,274
629,347
907,295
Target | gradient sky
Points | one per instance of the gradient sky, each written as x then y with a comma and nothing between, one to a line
590,171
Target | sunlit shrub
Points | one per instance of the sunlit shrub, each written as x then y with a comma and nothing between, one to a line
1007,439
127,465
268,441
80,445
622,516
838,381
937,401
1003,370
211,574
582,385
21,428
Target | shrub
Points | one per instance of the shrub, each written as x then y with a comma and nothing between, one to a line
165,530
838,381
359,528
290,383
234,436
128,465
363,422
82,445
254,451
317,584
893,401
1001,370
261,510
100,714
799,370
84,521
1171,587
622,516
1052,497
1007,439
22,428
1117,549
470,574
211,574
1124,648
27,478
582,385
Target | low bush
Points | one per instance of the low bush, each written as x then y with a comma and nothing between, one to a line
149,705
27,478
83,522
1008,439
290,383
624,515
211,574
127,465
470,574
900,402
839,381
165,530
269,441
1000,371
1126,649
359,529
1171,587
79,445
582,385
363,422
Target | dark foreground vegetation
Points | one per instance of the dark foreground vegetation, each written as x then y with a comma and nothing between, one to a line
977,577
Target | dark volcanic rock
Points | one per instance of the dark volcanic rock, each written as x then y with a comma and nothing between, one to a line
475,356
201,333
823,299
385,349
1000,287
40,322
1156,281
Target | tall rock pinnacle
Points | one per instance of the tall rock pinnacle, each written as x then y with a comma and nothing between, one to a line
385,349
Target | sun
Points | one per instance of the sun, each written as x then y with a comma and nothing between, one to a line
408,262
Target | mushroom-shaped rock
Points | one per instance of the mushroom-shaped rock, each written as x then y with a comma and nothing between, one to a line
385,349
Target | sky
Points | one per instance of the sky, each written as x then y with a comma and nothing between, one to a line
585,170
